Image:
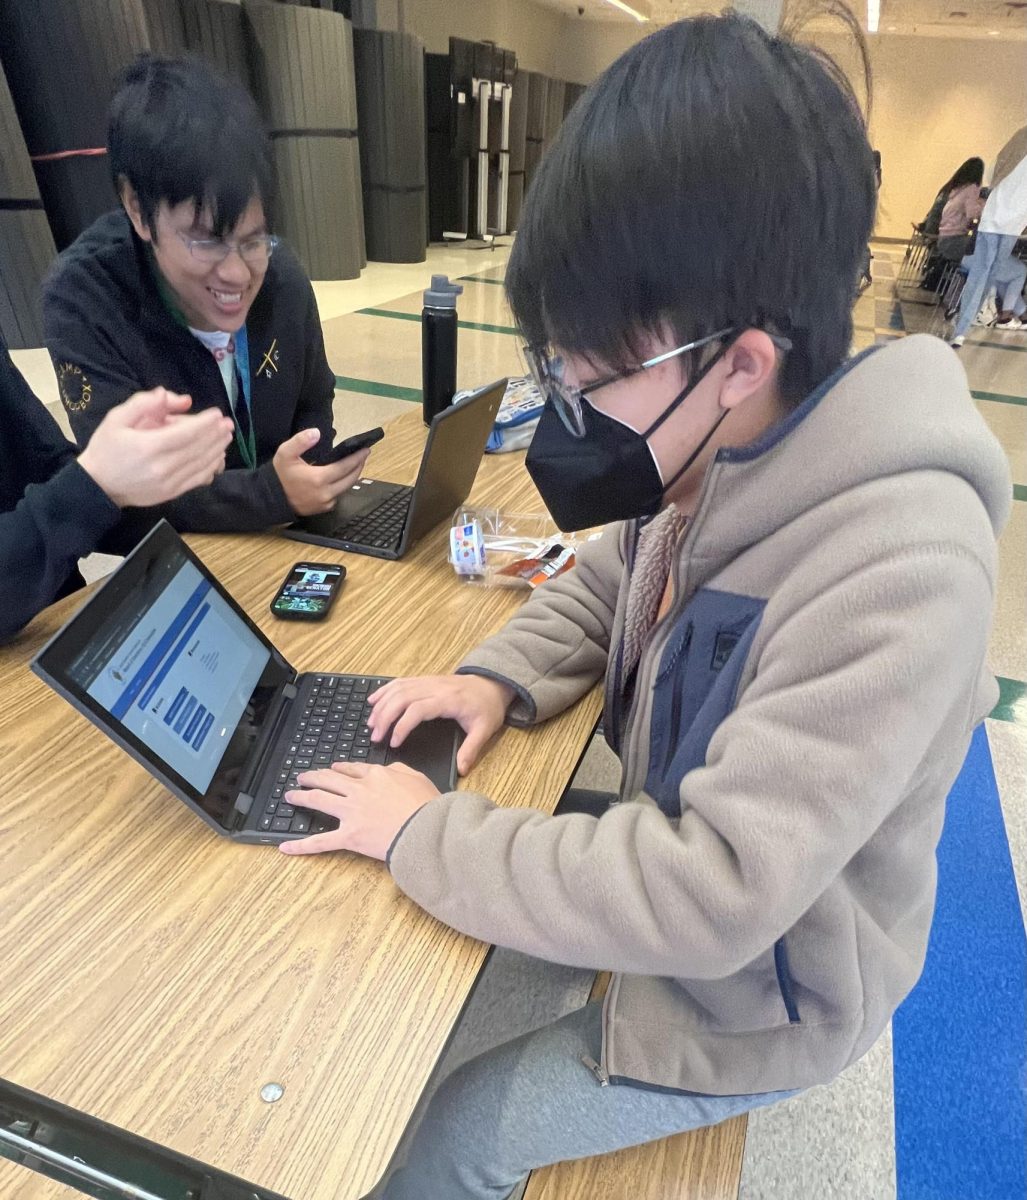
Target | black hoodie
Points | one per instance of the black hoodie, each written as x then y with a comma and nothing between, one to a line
110,334
51,511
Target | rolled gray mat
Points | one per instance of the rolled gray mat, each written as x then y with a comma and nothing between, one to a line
514,201
26,243
572,94
61,61
538,102
26,252
214,31
518,146
396,225
554,110
532,157
17,179
165,34
302,63
390,108
320,213
518,120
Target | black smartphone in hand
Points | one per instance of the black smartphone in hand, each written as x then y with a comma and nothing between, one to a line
308,591
343,449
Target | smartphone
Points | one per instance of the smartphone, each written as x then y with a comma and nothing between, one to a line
308,591
343,449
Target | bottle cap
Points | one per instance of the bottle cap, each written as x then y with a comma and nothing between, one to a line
442,293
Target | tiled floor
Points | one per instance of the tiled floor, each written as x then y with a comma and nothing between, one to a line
836,1142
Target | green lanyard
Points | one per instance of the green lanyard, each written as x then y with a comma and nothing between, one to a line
247,443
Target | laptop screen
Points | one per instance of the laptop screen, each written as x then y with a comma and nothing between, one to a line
163,659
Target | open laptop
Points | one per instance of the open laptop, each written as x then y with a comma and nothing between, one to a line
386,519
164,662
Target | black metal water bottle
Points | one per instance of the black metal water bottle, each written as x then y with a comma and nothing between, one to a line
438,346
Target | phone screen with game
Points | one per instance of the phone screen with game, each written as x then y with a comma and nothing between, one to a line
308,592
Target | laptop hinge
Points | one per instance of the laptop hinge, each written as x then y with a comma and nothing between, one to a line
273,727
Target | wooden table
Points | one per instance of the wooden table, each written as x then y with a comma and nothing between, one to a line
156,976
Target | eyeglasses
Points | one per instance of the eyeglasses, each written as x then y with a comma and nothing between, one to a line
547,372
254,250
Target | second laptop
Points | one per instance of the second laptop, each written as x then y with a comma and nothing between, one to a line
386,519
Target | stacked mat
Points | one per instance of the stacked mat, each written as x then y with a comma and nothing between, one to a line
390,108
572,94
302,62
208,29
213,31
448,168
518,147
61,61
555,98
26,245
535,126
164,29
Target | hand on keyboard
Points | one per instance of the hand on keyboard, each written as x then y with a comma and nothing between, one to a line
477,704
371,804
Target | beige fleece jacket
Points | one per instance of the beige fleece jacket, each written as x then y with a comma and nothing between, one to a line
765,889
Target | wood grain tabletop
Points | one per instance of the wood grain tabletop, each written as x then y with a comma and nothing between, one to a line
157,976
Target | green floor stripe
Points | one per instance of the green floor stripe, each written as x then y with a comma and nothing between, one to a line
406,316
370,387
1012,701
480,279
1020,491
999,397
1000,346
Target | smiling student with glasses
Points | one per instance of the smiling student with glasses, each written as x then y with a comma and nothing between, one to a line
789,605
186,287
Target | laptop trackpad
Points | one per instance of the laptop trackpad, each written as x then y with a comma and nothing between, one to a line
361,498
431,749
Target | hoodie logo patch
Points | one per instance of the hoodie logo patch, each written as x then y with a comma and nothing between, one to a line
74,386
269,363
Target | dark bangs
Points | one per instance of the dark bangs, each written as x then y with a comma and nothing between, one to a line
180,131
714,176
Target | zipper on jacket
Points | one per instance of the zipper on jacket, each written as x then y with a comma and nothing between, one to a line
675,705
596,1069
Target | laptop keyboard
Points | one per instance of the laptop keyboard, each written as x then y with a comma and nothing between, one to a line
332,727
382,527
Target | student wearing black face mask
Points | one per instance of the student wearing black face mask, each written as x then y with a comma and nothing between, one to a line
790,608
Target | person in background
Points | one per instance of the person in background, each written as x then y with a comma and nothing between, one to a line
1002,222
58,504
790,603
186,287
962,208
866,276
973,167
1008,278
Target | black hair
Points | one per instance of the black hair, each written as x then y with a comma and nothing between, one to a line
180,131
714,176
972,171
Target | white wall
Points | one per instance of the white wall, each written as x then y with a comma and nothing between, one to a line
937,101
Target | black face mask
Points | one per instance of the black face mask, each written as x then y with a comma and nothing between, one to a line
610,473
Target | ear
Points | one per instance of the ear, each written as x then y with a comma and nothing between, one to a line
130,203
751,366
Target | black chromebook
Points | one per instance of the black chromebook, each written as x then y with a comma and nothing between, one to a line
386,519
165,662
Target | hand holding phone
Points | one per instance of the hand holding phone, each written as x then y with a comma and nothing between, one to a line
359,441
308,591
